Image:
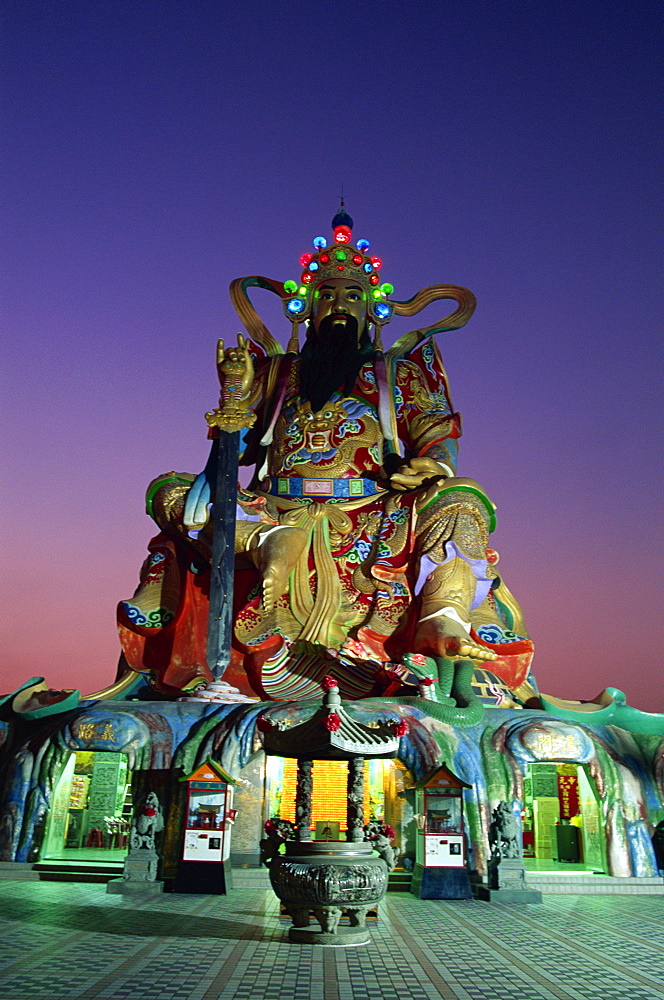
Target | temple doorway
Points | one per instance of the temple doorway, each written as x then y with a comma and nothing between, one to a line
562,826
90,810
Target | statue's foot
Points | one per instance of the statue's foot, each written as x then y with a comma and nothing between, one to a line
442,635
444,629
275,553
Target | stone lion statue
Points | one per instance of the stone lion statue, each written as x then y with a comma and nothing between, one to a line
147,824
504,833
277,832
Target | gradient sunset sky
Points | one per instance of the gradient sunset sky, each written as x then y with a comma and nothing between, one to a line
153,151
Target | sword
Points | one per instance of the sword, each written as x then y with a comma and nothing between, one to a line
218,482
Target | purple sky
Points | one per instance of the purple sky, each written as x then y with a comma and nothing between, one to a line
155,150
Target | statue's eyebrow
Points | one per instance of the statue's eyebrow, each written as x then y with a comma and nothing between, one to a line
354,287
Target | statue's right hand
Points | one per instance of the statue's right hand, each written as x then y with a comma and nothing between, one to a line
235,366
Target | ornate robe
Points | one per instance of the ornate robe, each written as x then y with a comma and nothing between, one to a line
352,600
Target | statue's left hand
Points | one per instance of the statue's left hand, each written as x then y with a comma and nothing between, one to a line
415,473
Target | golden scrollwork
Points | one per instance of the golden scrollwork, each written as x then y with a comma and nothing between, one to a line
231,418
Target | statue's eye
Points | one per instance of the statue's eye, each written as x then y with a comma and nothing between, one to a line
328,414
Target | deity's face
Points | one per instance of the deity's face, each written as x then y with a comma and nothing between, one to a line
340,298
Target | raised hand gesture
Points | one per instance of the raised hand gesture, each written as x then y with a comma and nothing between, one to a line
235,369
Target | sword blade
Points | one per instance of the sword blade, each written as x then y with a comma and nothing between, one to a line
220,620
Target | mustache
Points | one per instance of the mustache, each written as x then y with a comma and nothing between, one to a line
339,342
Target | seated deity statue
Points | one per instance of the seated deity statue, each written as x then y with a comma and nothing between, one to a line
356,544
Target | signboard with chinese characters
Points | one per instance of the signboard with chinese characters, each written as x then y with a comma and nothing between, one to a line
568,791
58,814
556,741
544,781
591,830
107,787
546,813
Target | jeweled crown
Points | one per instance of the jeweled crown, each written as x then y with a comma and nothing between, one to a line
339,259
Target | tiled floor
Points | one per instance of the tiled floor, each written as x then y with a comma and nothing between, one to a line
73,941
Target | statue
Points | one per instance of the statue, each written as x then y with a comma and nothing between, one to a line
504,833
141,865
380,836
506,876
277,832
146,824
356,544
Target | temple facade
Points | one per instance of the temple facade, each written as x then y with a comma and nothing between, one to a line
588,795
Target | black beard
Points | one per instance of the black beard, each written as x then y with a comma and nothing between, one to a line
330,360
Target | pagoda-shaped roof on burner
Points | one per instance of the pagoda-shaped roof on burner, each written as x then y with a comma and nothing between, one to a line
331,734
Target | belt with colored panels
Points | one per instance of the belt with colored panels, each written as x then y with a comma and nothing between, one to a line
294,487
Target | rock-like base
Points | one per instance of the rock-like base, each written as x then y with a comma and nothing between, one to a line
507,883
345,937
140,874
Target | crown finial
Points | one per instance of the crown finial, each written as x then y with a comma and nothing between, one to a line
342,218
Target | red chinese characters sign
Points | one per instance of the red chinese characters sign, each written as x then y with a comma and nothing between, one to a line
568,795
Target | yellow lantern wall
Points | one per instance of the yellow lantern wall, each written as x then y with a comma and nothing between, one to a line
330,794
